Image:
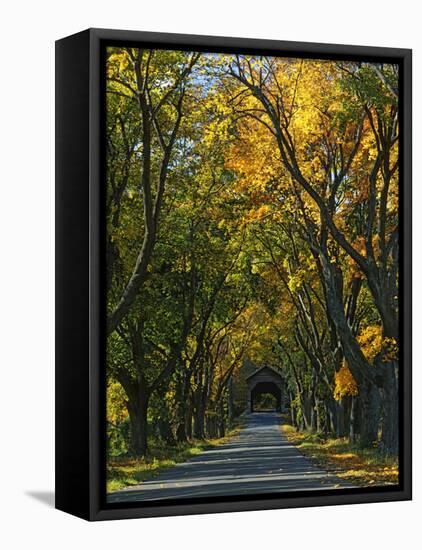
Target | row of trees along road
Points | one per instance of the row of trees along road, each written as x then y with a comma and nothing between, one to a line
252,213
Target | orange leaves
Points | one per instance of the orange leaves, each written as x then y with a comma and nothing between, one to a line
258,215
373,344
344,382
370,340
359,245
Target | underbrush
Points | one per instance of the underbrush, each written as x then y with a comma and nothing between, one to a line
363,467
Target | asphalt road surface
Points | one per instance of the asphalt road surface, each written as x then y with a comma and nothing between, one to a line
257,460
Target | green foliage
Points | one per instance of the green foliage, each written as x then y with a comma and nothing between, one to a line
254,177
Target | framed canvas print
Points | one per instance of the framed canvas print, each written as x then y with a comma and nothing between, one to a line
233,274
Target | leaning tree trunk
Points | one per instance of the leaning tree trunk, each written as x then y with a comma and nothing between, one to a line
361,370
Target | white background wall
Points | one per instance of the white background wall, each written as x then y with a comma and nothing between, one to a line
27,36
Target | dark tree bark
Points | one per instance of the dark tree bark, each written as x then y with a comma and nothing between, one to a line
199,421
137,408
390,410
221,419
341,427
355,419
370,401
166,432
182,400
230,403
189,419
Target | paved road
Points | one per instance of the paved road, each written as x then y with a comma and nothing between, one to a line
258,460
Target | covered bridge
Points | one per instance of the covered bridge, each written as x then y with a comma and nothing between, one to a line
265,380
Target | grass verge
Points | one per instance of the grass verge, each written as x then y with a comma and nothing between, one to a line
362,467
124,472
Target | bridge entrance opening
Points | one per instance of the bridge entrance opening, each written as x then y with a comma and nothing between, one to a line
265,390
265,397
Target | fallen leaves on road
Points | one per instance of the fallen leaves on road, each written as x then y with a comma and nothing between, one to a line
362,467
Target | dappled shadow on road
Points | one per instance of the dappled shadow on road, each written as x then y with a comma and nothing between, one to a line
258,460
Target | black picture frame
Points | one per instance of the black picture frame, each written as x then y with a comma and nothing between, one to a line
80,315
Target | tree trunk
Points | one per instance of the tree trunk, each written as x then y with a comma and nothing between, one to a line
199,422
182,398
341,418
314,415
166,432
181,436
370,414
230,404
138,425
389,425
306,411
362,371
221,420
354,426
188,421
292,411
332,416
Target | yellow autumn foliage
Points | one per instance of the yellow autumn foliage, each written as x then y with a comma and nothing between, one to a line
372,344
344,383
370,340
116,402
